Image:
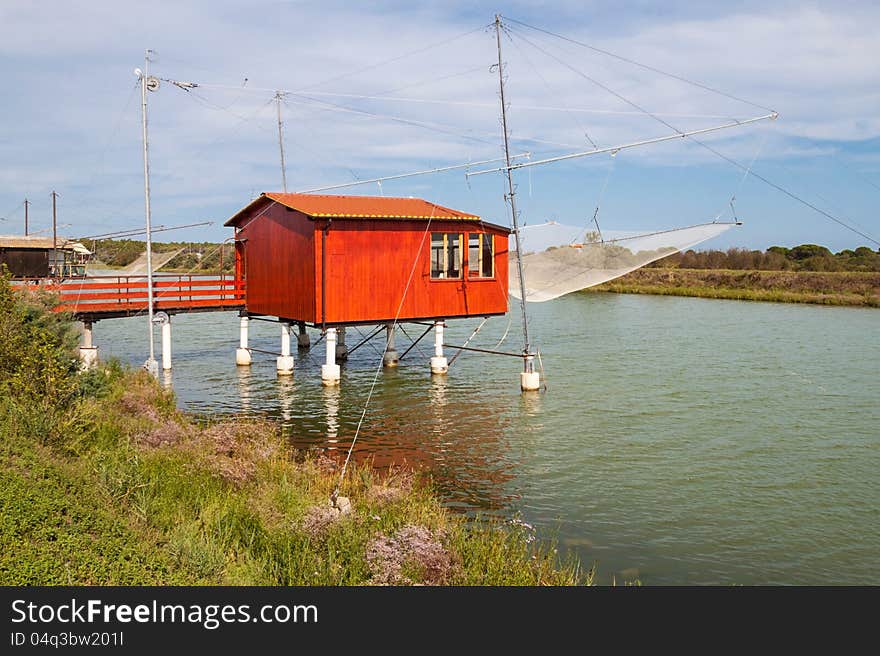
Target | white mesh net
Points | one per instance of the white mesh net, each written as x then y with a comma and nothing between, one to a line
560,259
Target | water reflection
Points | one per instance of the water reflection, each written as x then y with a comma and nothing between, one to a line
438,402
331,412
286,396
532,403
245,380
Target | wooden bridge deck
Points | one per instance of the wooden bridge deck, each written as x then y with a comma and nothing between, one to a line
105,297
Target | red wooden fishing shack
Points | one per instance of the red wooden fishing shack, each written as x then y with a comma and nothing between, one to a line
343,260
336,261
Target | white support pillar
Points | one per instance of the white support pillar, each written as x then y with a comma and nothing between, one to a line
330,372
529,379
242,354
391,357
302,339
439,363
88,353
166,344
341,348
284,362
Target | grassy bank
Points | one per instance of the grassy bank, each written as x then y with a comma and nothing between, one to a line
825,288
104,481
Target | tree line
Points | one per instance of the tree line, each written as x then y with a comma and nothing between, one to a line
194,256
806,257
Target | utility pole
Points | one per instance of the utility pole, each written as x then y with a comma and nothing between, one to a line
511,194
54,234
278,96
152,84
26,204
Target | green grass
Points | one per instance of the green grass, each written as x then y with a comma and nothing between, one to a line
58,528
104,481
142,495
855,289
774,296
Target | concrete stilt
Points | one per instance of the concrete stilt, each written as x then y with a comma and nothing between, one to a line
242,355
529,380
330,372
88,353
391,357
341,348
302,339
166,344
439,363
284,362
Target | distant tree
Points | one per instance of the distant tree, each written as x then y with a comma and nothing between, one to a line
805,251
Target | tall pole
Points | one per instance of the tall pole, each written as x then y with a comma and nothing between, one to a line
151,365
511,194
281,141
55,234
26,204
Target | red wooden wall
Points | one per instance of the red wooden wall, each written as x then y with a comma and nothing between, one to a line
369,262
279,263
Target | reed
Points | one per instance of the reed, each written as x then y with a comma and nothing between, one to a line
856,289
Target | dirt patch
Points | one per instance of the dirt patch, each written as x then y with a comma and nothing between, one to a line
233,449
318,520
326,464
163,433
384,494
395,486
140,402
412,550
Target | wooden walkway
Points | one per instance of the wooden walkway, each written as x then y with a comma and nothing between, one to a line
105,297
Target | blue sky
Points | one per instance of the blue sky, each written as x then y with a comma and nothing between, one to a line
71,114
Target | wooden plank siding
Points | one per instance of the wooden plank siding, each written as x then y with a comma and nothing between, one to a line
279,264
378,269
369,264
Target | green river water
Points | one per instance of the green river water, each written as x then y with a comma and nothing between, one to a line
680,441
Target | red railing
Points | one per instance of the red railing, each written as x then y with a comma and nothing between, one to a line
123,295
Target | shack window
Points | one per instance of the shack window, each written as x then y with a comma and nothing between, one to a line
446,255
481,263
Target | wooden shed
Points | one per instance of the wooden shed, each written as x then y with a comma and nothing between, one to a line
330,260
42,257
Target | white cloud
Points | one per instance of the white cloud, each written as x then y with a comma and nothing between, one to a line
70,66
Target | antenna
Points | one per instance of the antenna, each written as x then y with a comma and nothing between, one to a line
26,205
54,234
278,96
148,83
528,357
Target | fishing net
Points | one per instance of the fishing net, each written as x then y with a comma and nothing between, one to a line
559,259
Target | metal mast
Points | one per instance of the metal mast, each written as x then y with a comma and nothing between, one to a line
26,204
151,365
278,95
54,235
511,194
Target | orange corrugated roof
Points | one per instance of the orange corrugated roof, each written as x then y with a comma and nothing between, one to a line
369,207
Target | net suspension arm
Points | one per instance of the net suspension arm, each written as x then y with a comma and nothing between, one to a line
618,148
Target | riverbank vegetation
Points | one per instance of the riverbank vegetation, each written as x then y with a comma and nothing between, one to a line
806,257
104,481
191,257
856,288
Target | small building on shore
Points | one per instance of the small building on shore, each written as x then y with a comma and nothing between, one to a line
330,260
43,257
